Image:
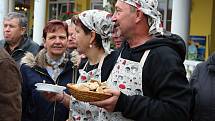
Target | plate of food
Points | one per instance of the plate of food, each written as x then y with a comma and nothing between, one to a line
49,87
90,91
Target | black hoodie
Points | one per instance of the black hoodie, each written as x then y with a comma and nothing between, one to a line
167,95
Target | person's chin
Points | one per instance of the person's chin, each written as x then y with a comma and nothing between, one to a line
58,54
58,51
7,39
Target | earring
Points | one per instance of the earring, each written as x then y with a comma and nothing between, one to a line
91,46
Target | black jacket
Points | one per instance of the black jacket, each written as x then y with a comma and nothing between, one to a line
203,82
26,45
167,95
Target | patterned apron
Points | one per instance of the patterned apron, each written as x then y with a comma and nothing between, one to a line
126,76
82,111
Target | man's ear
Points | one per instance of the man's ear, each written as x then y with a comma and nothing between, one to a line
23,30
139,15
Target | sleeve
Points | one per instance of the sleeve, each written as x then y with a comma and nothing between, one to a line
25,93
194,77
167,95
194,84
10,91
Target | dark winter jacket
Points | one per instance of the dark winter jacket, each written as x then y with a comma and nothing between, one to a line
203,82
26,45
167,95
35,106
10,89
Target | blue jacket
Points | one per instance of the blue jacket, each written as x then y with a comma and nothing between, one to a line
35,106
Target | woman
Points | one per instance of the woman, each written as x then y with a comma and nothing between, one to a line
202,80
50,66
93,32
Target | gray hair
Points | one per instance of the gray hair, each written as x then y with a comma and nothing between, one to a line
23,21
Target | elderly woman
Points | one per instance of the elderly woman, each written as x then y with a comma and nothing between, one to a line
49,65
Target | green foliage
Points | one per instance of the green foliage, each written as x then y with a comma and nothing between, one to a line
65,16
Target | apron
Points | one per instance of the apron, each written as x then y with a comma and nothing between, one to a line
83,111
126,76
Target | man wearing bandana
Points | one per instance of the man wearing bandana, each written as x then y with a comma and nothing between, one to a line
149,79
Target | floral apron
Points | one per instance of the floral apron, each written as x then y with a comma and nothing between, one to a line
82,111
126,76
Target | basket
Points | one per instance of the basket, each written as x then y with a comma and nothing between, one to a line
86,96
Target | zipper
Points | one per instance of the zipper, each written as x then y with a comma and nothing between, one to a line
55,102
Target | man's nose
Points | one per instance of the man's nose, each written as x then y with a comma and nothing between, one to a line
6,28
113,18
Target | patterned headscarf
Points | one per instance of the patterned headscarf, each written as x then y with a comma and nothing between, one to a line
100,22
150,8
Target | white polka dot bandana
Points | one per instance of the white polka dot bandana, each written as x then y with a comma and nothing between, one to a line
150,8
100,22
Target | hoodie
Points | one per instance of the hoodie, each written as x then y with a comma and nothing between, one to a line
167,95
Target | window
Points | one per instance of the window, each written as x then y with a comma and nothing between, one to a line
61,9
165,7
97,4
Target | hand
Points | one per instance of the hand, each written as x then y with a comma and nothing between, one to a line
51,96
110,103
69,120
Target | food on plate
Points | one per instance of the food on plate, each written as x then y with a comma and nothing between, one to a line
92,85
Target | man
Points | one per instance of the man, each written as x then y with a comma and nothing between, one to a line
117,39
72,45
149,74
10,88
15,40
71,36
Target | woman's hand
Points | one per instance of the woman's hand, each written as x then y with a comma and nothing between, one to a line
63,98
51,96
110,103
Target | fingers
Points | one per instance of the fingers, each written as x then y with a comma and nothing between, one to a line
50,96
110,103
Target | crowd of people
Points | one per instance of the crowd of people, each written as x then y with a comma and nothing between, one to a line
145,70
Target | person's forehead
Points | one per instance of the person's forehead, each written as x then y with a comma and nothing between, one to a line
13,20
121,4
59,31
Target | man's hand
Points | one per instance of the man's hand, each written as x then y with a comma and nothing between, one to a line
110,103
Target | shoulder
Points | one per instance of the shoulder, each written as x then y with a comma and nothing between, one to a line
165,55
25,67
199,71
2,43
111,58
32,46
4,54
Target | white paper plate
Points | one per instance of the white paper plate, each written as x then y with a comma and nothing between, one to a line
49,87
